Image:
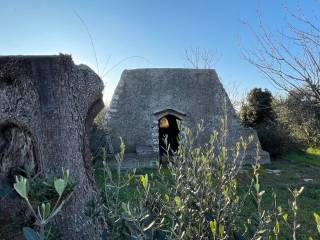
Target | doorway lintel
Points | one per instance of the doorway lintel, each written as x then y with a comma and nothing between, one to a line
178,114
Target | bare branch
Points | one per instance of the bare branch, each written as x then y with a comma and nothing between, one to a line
290,59
201,58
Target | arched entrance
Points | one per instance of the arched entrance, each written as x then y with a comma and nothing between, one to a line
169,129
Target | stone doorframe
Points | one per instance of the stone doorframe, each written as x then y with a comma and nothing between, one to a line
155,124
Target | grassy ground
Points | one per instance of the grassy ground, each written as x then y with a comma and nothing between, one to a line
296,169
310,156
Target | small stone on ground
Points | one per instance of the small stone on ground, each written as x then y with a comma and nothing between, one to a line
308,179
274,171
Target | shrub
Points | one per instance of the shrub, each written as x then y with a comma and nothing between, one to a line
48,207
203,202
273,138
300,118
130,214
195,197
259,114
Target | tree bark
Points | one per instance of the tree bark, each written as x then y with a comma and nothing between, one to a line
52,102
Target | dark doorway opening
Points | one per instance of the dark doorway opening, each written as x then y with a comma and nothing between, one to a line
169,129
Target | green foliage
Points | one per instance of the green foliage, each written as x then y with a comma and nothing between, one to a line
273,138
44,212
300,118
129,214
258,109
309,156
98,137
294,208
317,220
313,151
203,200
197,197
259,114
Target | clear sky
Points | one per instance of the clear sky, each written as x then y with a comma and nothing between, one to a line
158,31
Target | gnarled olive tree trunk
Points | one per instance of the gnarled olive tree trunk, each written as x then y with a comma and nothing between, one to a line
47,104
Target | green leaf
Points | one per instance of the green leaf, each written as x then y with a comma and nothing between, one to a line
221,230
48,209
21,187
65,176
178,201
277,227
45,207
257,187
144,181
317,219
59,185
166,197
212,225
30,234
124,207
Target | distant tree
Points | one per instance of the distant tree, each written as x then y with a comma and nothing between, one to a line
258,108
257,112
301,119
199,58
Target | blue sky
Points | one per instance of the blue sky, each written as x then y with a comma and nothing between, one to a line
158,31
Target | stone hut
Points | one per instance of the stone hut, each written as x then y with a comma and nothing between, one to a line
150,103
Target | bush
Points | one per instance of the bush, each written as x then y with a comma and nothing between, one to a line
258,113
301,119
273,138
196,197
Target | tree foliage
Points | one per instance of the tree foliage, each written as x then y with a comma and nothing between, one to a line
258,109
301,119
259,114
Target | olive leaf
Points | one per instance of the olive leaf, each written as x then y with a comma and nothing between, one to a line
178,201
317,219
45,207
65,176
59,185
21,187
213,225
30,234
144,181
